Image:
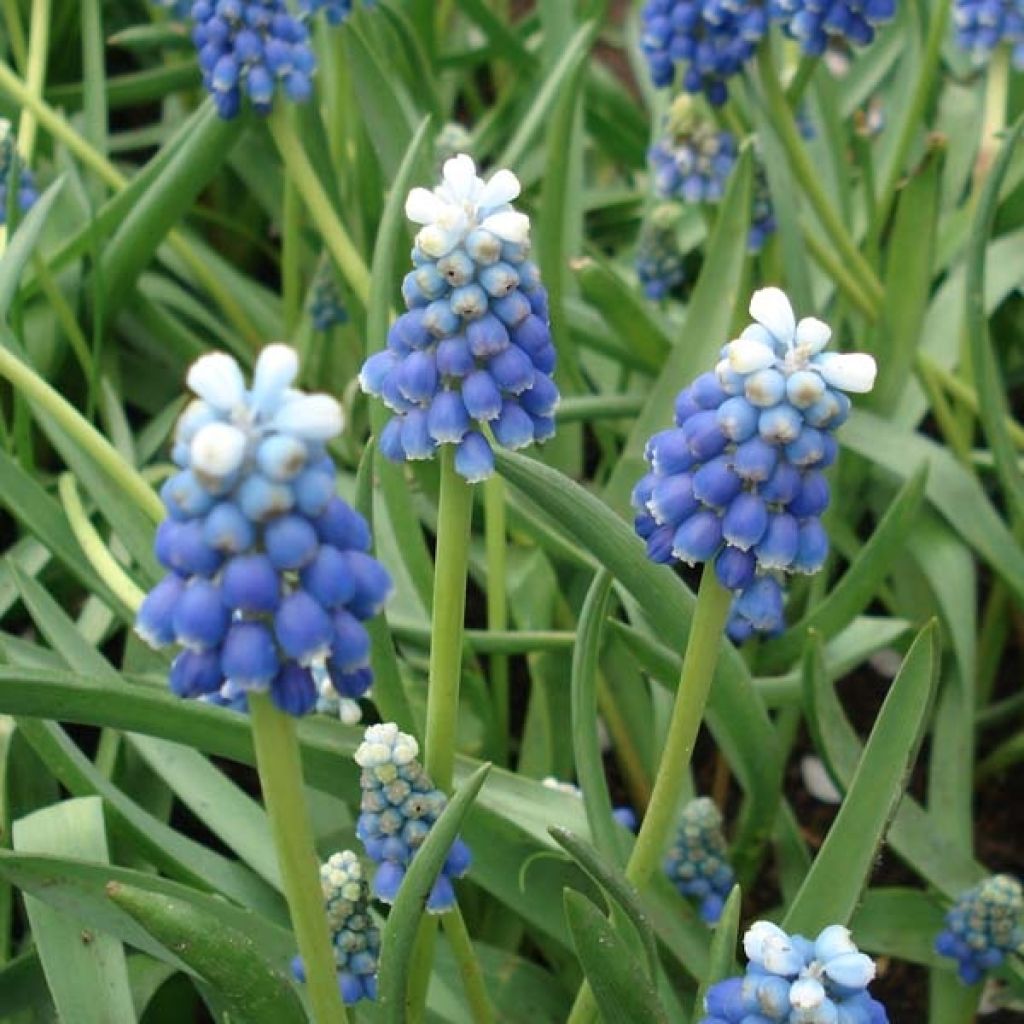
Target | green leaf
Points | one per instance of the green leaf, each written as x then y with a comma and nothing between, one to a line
403,921
900,923
171,192
224,957
621,988
993,407
86,971
853,593
23,243
616,886
840,871
708,318
586,744
736,715
954,492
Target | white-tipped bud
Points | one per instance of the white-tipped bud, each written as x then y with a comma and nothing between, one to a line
217,379
851,970
812,335
217,450
509,226
771,308
806,994
854,371
502,188
423,207
746,355
311,417
276,370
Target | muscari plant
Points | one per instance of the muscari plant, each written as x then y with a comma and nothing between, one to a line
500,384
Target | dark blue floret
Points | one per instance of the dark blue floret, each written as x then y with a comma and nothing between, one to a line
816,23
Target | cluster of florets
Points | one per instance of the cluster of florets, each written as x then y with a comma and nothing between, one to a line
10,167
762,213
816,23
693,159
659,260
269,579
354,937
399,806
625,816
982,25
326,305
249,48
792,980
985,924
711,39
738,481
474,350
697,863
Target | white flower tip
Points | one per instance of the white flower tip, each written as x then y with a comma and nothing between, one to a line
276,369
459,174
746,355
311,417
771,308
216,378
217,450
813,334
422,206
509,226
502,188
806,994
853,371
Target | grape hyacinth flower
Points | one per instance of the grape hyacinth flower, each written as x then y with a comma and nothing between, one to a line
625,816
250,48
474,349
659,261
982,25
326,304
762,213
354,937
25,186
816,23
984,925
710,39
698,860
399,805
269,580
693,159
738,480
793,980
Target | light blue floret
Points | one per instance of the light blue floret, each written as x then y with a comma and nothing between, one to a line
697,863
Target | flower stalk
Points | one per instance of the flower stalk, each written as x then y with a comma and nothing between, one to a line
280,769
495,529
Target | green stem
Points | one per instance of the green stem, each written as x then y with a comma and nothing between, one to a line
706,630
309,187
451,563
15,32
291,275
914,117
128,479
280,771
809,178
495,530
480,1008
35,74
798,85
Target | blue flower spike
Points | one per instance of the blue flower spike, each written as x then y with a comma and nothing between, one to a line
692,160
473,353
983,25
254,49
816,24
354,937
326,305
399,806
659,260
984,925
794,980
268,579
697,863
738,481
26,186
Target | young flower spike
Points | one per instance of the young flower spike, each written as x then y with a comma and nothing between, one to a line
985,924
816,23
697,863
659,262
354,937
982,25
399,806
738,481
326,305
793,980
268,573
13,175
693,159
251,48
474,349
